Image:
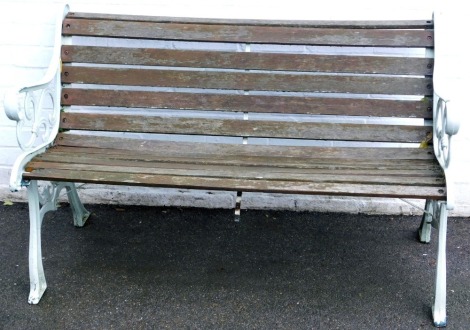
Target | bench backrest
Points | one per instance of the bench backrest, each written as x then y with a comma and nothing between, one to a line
258,79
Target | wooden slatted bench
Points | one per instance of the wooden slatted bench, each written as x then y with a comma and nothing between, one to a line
297,107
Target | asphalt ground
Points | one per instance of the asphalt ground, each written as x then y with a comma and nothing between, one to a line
173,268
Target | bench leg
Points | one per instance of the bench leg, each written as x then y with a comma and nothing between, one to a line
42,201
80,214
425,228
439,307
36,271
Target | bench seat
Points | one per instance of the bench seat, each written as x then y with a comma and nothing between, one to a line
383,172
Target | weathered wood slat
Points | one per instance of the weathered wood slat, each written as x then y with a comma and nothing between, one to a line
245,173
155,146
229,127
223,155
247,33
248,103
386,24
273,186
87,156
249,80
263,164
252,60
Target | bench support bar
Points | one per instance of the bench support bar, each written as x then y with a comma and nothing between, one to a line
439,307
40,202
426,223
80,214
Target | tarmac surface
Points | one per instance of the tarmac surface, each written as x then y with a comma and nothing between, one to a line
171,268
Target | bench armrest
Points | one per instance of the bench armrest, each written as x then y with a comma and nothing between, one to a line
36,110
446,107
447,103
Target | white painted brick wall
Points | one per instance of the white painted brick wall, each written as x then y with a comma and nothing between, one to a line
26,45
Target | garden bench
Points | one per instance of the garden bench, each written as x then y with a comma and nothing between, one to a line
344,108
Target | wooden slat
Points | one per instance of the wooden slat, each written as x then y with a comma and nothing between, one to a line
281,166
262,163
235,172
252,60
432,177
174,152
106,157
248,103
273,186
249,81
385,24
247,33
154,147
258,128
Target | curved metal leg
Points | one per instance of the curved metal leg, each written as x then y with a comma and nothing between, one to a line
36,271
42,201
439,307
80,214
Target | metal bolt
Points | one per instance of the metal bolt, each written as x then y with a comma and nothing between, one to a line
429,86
429,65
429,37
66,73
66,96
429,109
64,120
67,26
66,52
440,191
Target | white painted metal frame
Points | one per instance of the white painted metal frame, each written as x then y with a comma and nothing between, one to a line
446,115
27,106
42,201
445,125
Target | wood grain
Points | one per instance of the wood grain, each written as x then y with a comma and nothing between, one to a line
248,33
255,128
259,81
248,103
248,61
348,24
